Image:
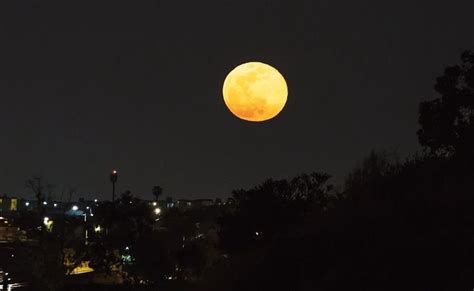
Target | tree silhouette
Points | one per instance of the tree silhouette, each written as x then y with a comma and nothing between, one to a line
447,123
271,209
40,189
157,191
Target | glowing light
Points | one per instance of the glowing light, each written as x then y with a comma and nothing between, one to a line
127,259
48,223
157,211
75,208
154,203
45,203
255,92
97,228
27,203
82,269
55,205
13,204
95,200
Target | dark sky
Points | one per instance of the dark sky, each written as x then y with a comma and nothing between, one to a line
87,86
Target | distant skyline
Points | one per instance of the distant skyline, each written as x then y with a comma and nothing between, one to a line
91,86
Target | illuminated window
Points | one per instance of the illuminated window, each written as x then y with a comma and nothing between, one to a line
13,204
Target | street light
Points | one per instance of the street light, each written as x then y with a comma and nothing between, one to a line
157,211
113,179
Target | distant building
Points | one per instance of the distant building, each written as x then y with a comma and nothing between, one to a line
9,204
203,202
192,204
184,203
169,202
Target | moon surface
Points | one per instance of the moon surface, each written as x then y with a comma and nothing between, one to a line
255,92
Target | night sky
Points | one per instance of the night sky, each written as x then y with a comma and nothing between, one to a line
88,86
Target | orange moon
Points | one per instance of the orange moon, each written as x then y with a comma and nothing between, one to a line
255,92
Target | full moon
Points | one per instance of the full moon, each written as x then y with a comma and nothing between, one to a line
255,92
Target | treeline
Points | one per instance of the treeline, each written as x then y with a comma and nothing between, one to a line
396,226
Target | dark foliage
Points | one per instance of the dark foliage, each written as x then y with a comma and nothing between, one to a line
157,191
272,209
399,225
447,125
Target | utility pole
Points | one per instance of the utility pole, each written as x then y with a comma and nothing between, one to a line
113,179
